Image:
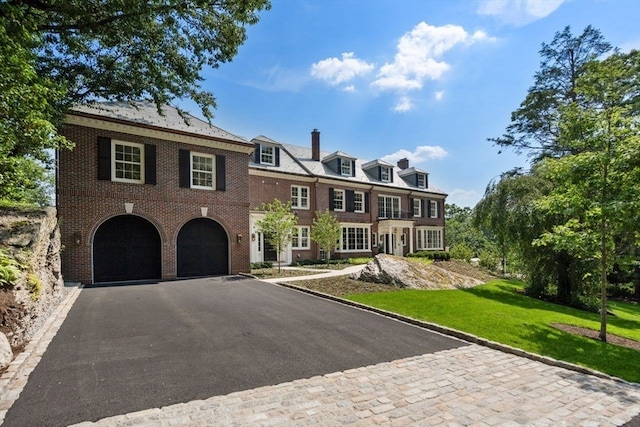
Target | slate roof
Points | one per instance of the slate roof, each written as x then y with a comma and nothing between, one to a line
146,113
295,159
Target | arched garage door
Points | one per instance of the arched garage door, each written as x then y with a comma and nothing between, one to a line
126,247
203,249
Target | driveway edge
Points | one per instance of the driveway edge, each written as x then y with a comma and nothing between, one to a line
463,335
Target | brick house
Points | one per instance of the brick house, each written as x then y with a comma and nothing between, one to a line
148,197
145,196
381,207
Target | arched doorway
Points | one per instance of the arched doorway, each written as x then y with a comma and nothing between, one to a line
126,247
203,249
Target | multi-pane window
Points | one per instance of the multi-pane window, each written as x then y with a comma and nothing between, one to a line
385,174
429,238
358,201
355,238
267,155
338,200
345,167
434,209
299,197
202,171
388,207
422,180
300,238
128,162
417,203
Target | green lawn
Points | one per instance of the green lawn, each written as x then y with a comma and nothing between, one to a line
498,312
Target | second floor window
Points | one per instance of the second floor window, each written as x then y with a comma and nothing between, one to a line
358,202
202,171
388,207
338,200
434,209
416,207
299,197
267,156
128,162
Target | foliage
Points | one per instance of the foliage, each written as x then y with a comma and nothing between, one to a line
489,260
499,312
359,260
277,225
34,285
432,255
597,185
460,229
261,265
461,251
325,231
9,270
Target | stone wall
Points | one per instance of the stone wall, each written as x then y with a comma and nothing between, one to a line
32,238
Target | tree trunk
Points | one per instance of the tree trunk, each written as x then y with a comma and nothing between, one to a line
603,281
564,282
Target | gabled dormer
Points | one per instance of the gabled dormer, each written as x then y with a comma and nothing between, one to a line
341,163
379,170
267,152
412,175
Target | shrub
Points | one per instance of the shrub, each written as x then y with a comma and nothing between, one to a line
434,255
489,260
461,251
261,265
34,284
359,260
9,270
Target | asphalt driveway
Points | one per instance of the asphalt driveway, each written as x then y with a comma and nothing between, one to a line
129,348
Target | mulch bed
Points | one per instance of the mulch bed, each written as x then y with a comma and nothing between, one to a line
590,333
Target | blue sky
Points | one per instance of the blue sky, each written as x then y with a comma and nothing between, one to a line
427,80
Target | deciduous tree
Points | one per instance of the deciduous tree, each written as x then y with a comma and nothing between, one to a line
325,231
278,225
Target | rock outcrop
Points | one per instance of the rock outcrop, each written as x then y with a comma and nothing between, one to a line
32,239
412,274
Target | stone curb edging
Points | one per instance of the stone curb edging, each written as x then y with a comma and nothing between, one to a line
462,335
14,379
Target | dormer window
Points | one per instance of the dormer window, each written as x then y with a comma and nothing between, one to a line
267,155
421,180
385,174
345,168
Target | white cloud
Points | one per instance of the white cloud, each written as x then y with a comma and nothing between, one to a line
350,88
404,104
518,12
464,198
421,154
438,95
336,71
418,56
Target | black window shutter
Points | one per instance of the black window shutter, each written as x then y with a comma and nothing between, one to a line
439,209
256,154
277,155
349,194
221,174
366,202
416,177
379,173
390,174
331,201
411,205
339,166
184,161
104,158
422,212
428,208
150,164
353,168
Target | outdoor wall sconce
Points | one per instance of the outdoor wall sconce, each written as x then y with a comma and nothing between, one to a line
253,237
239,238
128,207
204,210
77,238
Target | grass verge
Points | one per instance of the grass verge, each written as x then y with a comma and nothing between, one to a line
498,312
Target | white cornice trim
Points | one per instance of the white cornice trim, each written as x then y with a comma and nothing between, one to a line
91,122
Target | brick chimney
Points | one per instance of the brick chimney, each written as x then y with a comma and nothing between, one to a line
403,163
315,145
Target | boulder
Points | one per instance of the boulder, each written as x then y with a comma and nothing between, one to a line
407,273
6,355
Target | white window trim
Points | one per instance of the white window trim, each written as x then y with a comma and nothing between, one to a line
419,206
399,206
298,199
424,180
354,201
213,171
113,161
273,155
388,169
366,232
346,163
344,201
298,229
434,209
424,240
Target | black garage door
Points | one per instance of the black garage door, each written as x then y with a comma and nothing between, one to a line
202,249
126,247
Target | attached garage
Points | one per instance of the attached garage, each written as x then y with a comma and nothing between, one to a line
203,249
126,248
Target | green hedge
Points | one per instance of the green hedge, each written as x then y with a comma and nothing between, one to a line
261,265
434,255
